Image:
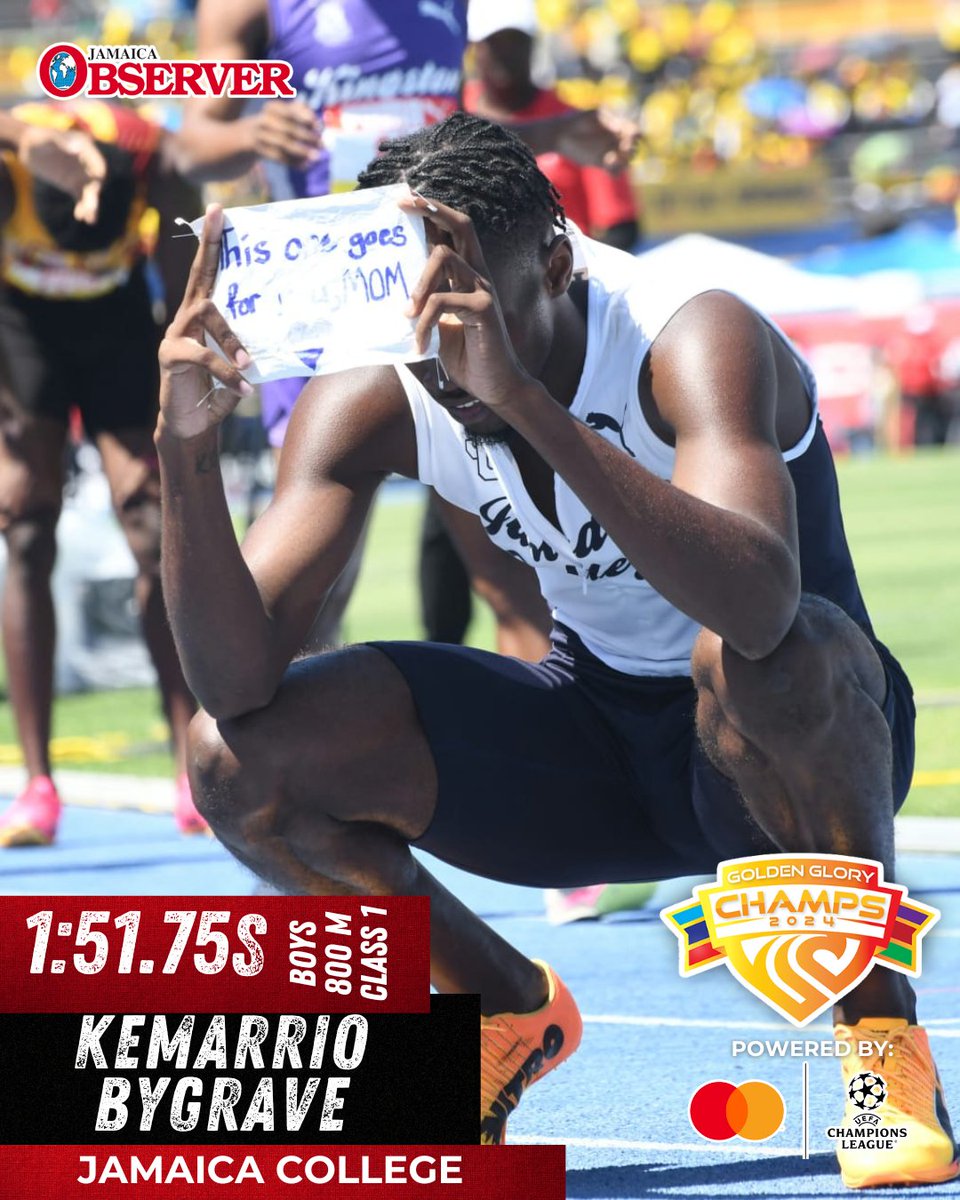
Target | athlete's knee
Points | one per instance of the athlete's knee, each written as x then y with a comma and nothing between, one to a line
236,770
725,745
240,787
796,691
216,777
32,543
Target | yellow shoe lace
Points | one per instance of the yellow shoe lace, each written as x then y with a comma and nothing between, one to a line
909,1073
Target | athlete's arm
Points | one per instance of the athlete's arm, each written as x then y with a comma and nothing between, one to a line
69,160
11,131
240,615
719,541
217,141
7,199
589,137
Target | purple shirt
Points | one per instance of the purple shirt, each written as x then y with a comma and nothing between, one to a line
370,69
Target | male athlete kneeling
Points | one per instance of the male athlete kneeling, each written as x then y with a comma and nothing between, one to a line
714,688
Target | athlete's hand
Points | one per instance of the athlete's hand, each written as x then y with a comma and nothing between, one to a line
599,138
455,295
189,403
288,132
69,161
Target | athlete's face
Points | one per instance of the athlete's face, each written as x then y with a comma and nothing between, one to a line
503,61
527,286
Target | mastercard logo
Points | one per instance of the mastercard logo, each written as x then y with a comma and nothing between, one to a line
720,1110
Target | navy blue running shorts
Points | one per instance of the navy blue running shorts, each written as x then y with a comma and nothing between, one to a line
565,772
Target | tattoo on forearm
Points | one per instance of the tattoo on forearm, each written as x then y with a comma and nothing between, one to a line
206,461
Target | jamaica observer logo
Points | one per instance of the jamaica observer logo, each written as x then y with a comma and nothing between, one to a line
863,1127
109,72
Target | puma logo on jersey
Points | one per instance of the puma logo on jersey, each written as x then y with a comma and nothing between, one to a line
440,12
331,26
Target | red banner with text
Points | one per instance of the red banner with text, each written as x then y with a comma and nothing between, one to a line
215,954
112,1172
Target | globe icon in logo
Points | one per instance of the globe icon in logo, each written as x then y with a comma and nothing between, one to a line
63,70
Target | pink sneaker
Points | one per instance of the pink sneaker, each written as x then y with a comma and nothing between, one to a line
31,820
565,905
185,811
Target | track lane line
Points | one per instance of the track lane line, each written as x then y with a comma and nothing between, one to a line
751,1151
791,1034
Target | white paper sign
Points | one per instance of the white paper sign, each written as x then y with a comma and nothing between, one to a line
316,286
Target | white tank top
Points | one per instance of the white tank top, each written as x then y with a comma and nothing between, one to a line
585,578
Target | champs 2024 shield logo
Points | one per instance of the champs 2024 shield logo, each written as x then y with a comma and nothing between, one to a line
800,930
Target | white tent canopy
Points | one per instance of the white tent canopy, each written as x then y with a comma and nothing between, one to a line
696,263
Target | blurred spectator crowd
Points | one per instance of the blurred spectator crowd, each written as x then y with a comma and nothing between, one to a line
711,87
707,81
712,84
706,85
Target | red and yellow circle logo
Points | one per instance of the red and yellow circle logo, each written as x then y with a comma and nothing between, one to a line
720,1110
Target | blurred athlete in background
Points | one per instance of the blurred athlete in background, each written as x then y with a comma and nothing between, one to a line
77,329
363,70
599,201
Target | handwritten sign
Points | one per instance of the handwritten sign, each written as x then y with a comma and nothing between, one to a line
316,286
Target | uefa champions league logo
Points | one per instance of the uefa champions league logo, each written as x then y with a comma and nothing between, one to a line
866,1129
63,70
867,1090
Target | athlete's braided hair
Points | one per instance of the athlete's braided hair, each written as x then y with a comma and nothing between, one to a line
475,166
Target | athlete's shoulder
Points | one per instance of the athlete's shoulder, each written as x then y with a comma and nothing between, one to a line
714,314
715,335
356,421
722,326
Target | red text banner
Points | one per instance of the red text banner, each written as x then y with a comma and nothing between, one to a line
214,954
271,1172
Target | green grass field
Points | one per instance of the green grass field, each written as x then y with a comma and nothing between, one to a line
903,522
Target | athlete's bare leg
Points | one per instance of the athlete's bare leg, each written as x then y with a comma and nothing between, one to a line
802,734
31,483
129,462
321,792
29,633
